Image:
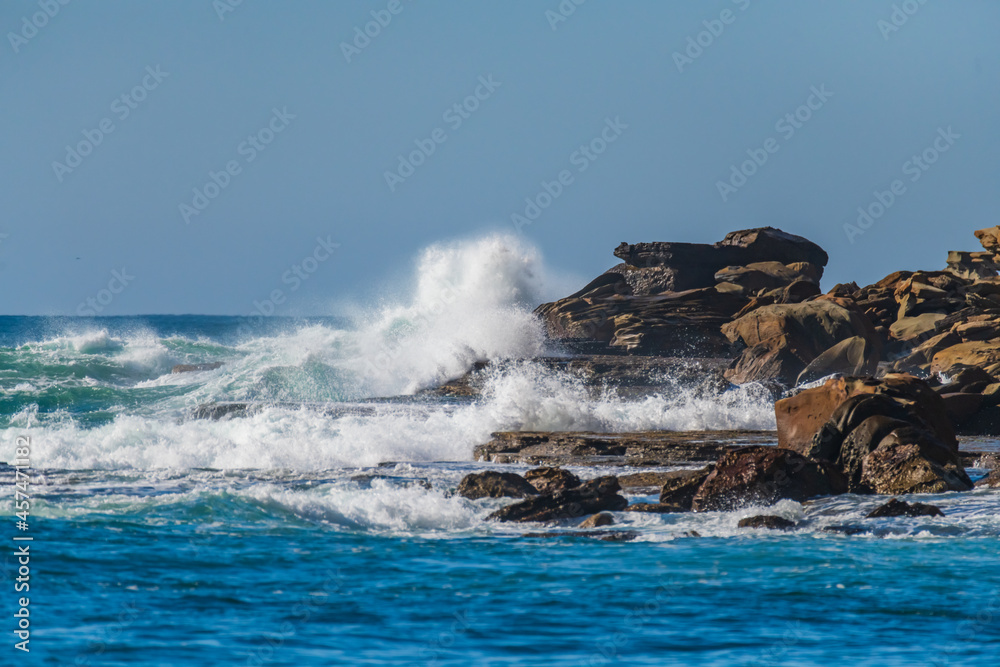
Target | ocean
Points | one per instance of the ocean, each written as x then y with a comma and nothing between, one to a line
323,529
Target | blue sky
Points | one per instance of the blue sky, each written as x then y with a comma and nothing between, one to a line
206,88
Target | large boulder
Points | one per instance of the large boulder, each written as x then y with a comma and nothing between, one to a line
591,497
801,416
493,484
890,436
762,476
782,340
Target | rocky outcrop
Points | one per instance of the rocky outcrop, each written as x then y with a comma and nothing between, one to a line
766,521
889,436
672,298
550,480
668,324
591,497
493,484
900,508
642,449
762,476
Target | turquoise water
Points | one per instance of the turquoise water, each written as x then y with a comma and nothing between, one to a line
295,537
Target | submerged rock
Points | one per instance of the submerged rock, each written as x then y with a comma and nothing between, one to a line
493,484
596,495
767,521
550,480
191,368
900,508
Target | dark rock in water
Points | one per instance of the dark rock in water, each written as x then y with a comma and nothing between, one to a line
603,535
681,487
597,521
658,508
991,481
596,495
910,460
900,508
643,449
550,480
762,476
647,482
493,484
191,368
767,521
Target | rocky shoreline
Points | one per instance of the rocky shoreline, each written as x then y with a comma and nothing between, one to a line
911,361
872,385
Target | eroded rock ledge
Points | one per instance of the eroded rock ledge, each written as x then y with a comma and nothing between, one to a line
639,449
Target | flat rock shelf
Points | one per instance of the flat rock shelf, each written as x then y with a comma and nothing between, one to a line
638,449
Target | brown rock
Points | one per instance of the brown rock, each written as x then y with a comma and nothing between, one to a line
909,328
783,339
990,238
854,356
493,484
598,520
762,476
801,416
550,480
984,354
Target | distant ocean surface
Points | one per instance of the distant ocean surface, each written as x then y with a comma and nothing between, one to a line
296,537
